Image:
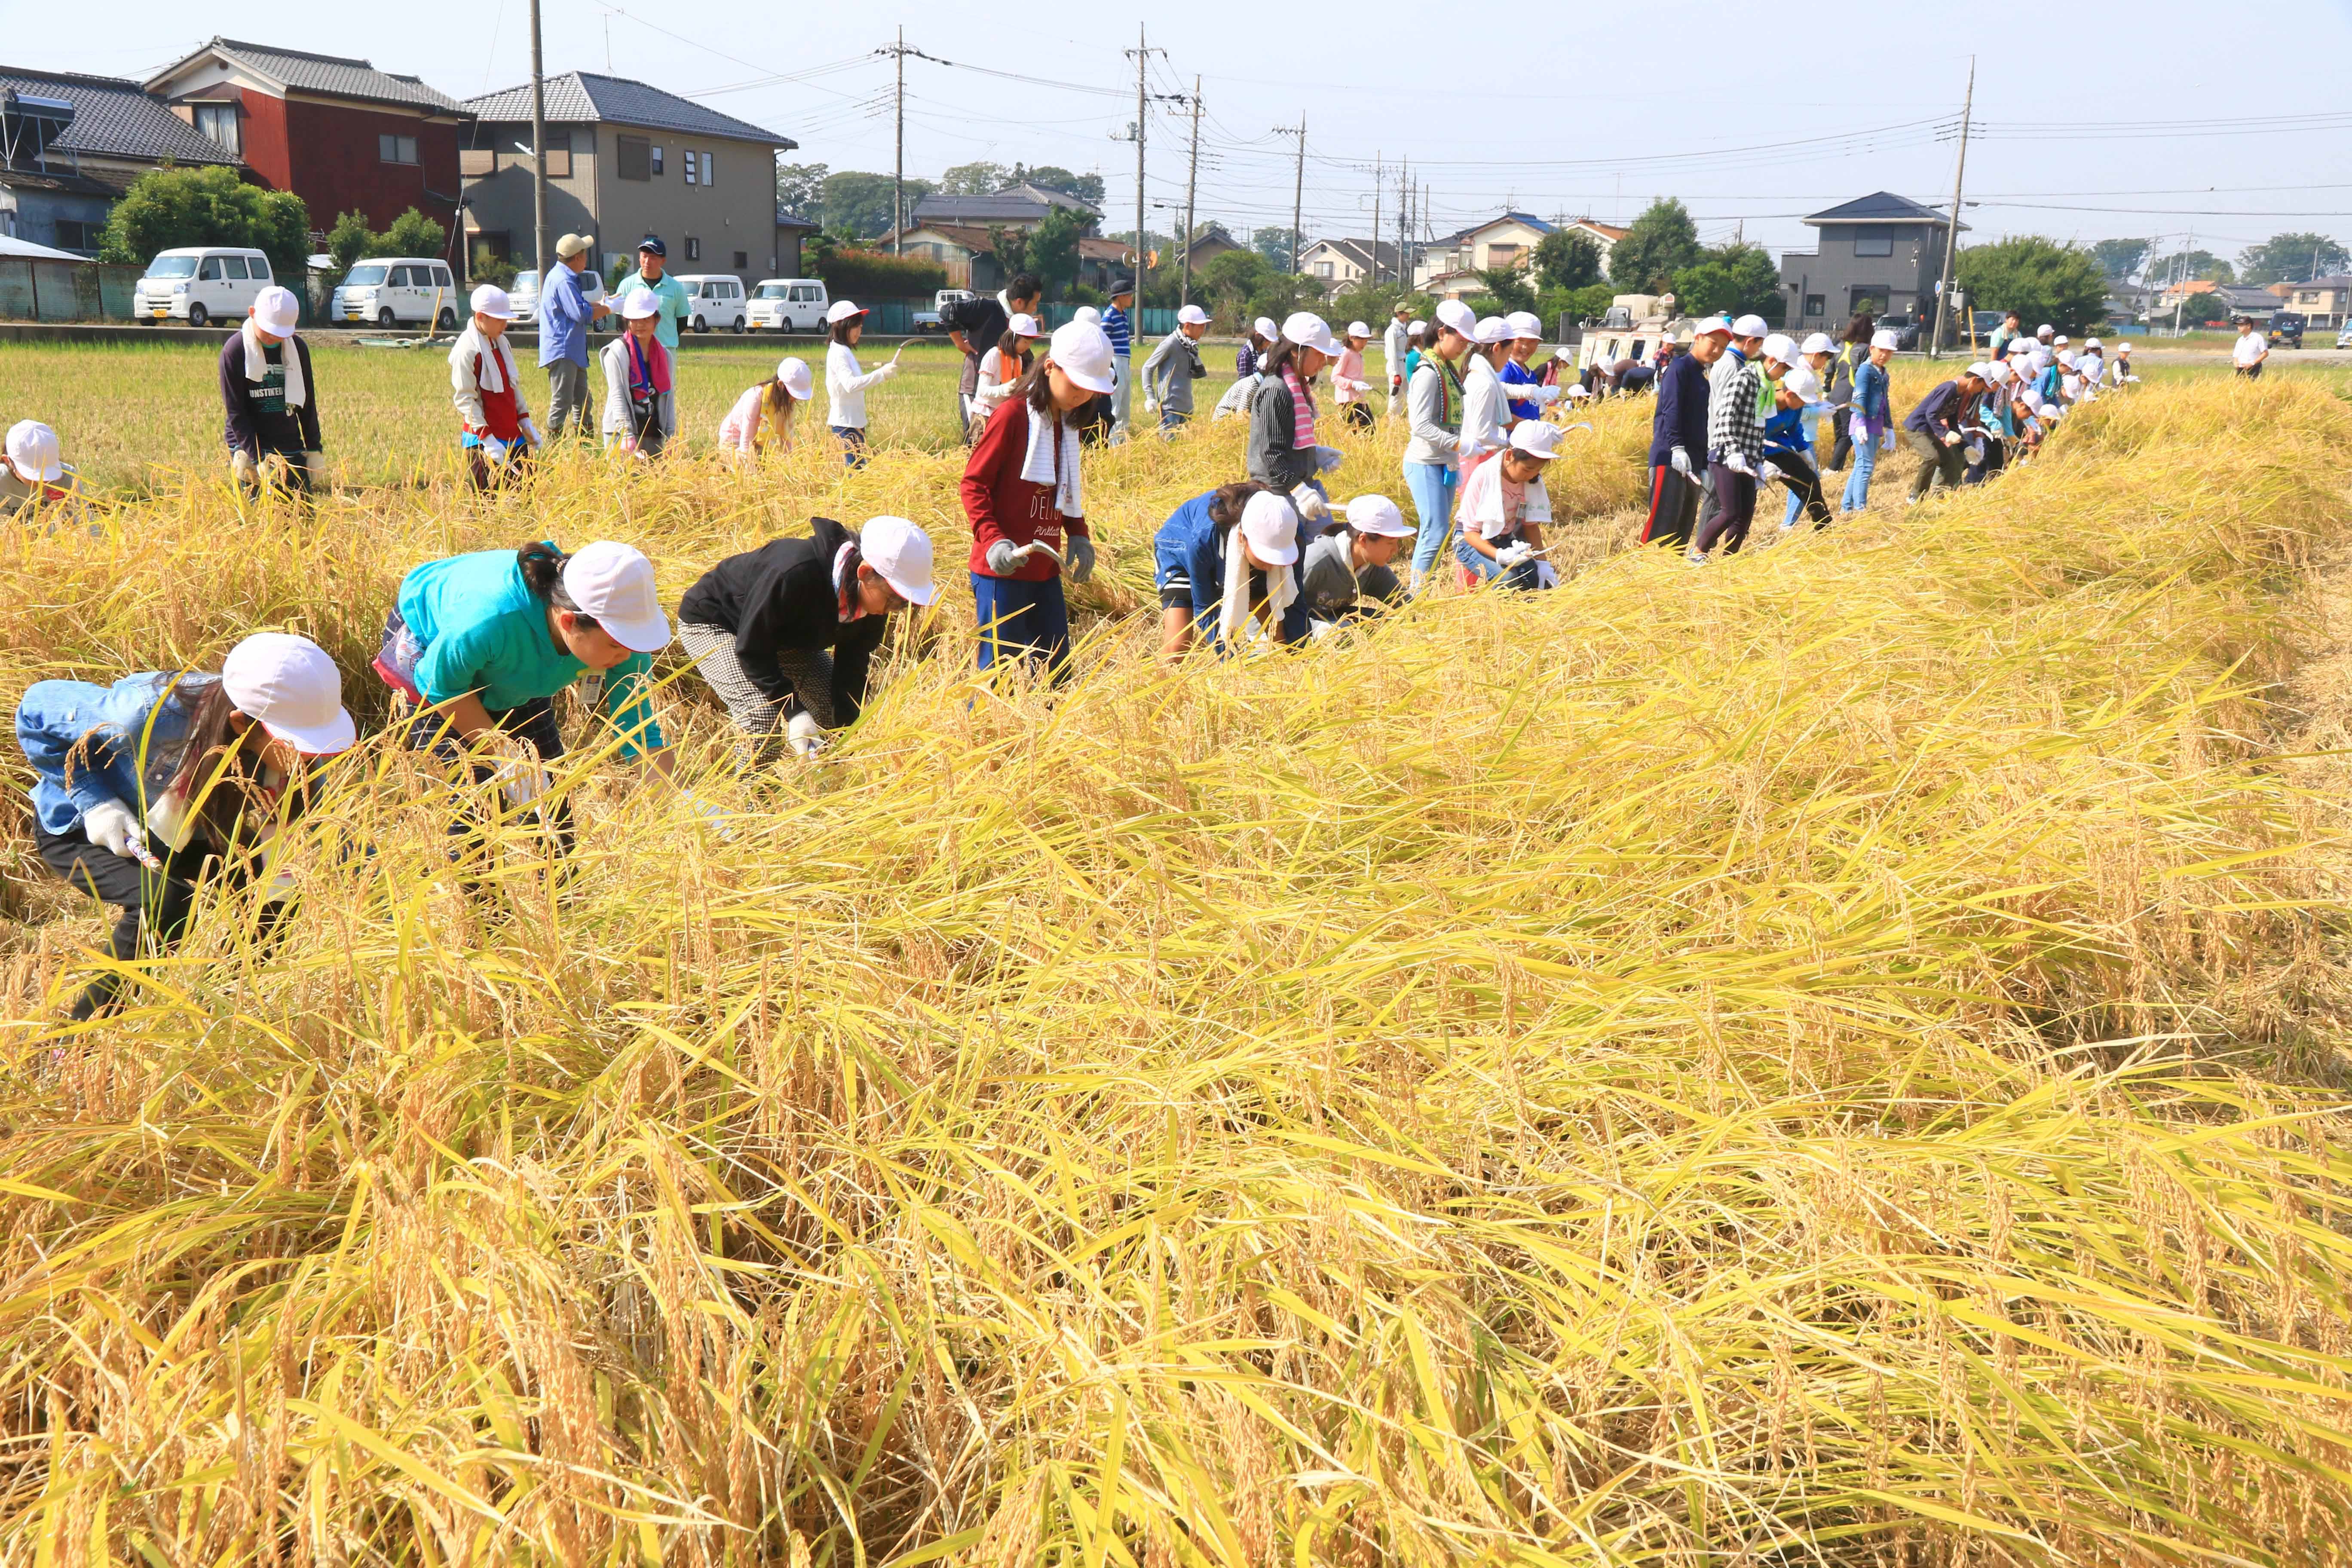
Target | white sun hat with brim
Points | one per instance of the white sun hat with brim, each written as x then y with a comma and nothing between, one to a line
1082,350
796,376
615,583
638,304
1270,527
33,452
1378,516
901,552
841,310
2048,410
489,300
1536,439
1191,316
277,311
288,686
2091,343
1308,330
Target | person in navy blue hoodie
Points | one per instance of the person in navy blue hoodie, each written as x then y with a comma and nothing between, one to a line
1678,437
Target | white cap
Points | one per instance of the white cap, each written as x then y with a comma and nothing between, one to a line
290,687
1981,370
1459,317
1782,347
1271,528
1308,330
1417,330
1378,515
902,554
1021,324
1083,350
841,310
1819,343
1358,330
637,304
795,376
1490,330
1264,327
491,300
33,451
1536,439
1712,324
1525,324
1191,316
615,583
2048,410
276,310
1997,371
2090,342
1578,389
1750,327
1802,381
2067,358
2044,327
2123,348
1564,354
2061,341
1088,314
1883,338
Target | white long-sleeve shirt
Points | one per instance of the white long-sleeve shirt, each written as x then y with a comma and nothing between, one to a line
1393,348
1486,413
1424,400
846,384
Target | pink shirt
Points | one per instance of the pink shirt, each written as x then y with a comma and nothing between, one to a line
1350,370
735,430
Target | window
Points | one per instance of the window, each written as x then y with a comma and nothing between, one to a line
710,169
1873,245
692,159
260,269
368,275
441,278
72,235
233,267
803,293
390,149
1322,269
1816,305
657,158
633,158
1502,255
693,248
743,259
210,272
219,121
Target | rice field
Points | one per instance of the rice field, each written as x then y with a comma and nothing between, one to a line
1834,1058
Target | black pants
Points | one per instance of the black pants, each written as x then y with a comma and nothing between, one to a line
1673,507
148,903
1996,458
533,721
1805,482
1935,460
2251,371
1735,509
1359,415
1841,450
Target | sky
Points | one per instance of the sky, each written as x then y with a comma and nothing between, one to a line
2091,120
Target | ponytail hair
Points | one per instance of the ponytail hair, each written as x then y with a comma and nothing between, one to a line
541,565
1226,502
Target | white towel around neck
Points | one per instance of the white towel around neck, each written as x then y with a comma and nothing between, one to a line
493,374
1037,462
257,366
1233,610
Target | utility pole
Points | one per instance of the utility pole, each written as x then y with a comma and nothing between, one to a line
898,169
1192,182
1376,220
1143,58
537,152
1952,239
1404,223
1299,187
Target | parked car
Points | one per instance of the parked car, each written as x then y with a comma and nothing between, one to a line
1986,322
935,319
787,305
523,294
714,299
2286,329
391,290
2344,337
1906,329
200,283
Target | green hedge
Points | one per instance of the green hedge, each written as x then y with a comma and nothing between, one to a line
860,274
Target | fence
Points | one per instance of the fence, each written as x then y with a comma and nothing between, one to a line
896,317
33,290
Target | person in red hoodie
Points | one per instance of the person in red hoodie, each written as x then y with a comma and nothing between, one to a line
1028,515
497,436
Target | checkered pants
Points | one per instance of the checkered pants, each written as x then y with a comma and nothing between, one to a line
761,719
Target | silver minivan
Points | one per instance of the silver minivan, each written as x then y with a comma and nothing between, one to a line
392,289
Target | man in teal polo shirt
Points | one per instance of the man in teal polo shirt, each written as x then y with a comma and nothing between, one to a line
670,294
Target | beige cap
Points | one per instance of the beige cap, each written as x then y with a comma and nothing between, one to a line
570,246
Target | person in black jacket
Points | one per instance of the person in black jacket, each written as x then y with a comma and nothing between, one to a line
784,634
1678,437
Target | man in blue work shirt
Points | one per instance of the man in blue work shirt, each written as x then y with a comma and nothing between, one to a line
670,295
1118,327
564,312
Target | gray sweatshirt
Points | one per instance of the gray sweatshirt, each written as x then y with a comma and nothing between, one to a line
1273,460
1169,373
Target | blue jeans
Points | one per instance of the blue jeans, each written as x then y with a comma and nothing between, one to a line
1521,576
853,444
1866,462
1021,620
1431,485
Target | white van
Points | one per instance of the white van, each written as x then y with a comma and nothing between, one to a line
789,305
713,300
391,289
200,283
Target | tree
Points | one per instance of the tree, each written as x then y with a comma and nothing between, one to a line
1227,282
2291,258
1088,188
2182,265
414,234
1053,245
411,234
1510,289
1661,242
1567,260
859,204
490,268
799,190
1011,248
974,179
2121,258
171,207
1732,278
1274,245
2039,278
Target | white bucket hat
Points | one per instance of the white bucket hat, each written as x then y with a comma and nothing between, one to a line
1083,350
901,552
491,300
615,583
796,376
33,452
1270,526
1379,516
288,686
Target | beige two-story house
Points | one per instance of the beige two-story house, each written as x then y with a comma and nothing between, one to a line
1449,266
624,161
2325,303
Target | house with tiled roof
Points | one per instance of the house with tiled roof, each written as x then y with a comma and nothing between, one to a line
333,129
71,144
1335,264
625,160
1505,241
1020,205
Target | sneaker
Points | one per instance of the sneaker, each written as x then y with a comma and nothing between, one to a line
1694,558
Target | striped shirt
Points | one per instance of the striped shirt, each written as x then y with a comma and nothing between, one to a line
1119,330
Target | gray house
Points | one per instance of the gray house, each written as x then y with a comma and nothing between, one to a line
71,144
626,159
1881,253
1023,207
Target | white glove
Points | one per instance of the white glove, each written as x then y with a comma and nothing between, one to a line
530,431
1976,451
1327,458
805,736
1679,460
496,448
1736,462
1511,556
522,781
1312,507
110,826
1886,440
1951,437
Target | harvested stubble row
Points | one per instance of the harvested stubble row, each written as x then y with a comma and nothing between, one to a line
1803,1061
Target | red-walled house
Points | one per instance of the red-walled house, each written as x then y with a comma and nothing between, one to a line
336,132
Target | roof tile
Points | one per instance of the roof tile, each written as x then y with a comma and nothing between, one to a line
336,75
114,118
581,98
